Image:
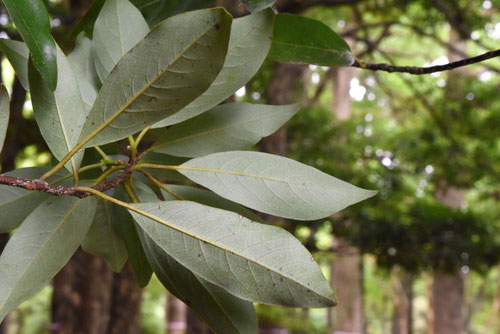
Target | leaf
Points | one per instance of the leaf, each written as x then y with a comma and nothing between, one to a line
17,53
207,198
4,114
32,21
17,203
272,184
60,114
253,261
301,39
156,11
221,311
175,63
41,246
86,24
249,45
118,28
256,5
227,127
82,63
123,224
102,240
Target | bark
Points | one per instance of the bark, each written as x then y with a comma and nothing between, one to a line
176,315
82,296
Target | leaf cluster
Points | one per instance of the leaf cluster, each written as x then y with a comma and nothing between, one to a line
178,201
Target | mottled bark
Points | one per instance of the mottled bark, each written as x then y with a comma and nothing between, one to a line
176,315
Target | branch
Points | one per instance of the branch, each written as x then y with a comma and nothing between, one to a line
42,186
426,70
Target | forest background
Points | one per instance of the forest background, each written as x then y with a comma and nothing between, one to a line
421,257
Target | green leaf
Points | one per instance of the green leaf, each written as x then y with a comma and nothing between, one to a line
17,53
60,114
156,11
4,114
174,64
301,39
32,21
86,24
82,63
221,311
118,28
256,5
17,203
102,240
41,246
123,225
253,261
207,198
249,45
228,127
272,184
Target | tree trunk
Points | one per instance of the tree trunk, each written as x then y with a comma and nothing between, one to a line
346,274
281,90
176,315
89,299
346,269
125,312
402,283
82,296
447,291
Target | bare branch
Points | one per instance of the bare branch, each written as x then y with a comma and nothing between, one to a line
426,70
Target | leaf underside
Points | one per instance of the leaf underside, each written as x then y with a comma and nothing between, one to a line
249,259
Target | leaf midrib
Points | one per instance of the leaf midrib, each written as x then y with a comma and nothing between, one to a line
141,91
220,247
347,53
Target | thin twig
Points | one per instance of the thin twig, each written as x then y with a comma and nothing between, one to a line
426,70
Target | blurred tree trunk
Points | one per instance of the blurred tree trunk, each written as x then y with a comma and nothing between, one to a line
448,289
346,268
285,80
402,282
176,315
82,296
125,310
89,298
